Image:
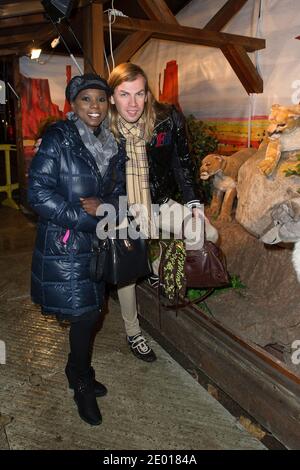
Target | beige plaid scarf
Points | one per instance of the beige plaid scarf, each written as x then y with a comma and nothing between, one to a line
137,174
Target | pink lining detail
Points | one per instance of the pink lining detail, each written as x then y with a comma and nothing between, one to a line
66,237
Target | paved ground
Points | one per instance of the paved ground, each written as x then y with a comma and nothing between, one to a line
149,406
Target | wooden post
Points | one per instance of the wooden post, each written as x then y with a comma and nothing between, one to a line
93,40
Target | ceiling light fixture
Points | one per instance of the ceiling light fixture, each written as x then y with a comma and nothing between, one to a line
35,53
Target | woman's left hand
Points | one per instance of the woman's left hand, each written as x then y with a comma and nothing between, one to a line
90,204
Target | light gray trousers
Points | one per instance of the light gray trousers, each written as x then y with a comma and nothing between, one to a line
170,220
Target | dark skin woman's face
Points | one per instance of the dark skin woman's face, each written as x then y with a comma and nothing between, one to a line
91,107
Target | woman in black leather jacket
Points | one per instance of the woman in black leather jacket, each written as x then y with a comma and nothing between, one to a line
78,165
158,165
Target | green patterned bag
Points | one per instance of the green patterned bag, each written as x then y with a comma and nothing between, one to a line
179,269
171,270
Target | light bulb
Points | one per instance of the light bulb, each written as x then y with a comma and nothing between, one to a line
35,53
54,42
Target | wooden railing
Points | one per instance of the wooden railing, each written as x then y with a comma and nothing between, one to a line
8,187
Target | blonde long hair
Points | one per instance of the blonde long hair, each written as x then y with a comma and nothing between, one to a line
128,72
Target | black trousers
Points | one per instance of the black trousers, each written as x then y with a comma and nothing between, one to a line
81,335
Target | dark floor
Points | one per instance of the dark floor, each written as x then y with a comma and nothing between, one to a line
148,406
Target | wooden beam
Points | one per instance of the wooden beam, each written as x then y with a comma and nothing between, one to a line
87,38
186,34
93,40
20,9
4,52
158,10
237,55
224,15
98,38
41,35
23,21
244,68
22,44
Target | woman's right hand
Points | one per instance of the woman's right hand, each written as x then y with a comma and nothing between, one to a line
37,145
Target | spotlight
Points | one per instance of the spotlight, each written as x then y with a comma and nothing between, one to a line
58,9
35,53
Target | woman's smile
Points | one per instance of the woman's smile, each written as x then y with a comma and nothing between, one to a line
91,107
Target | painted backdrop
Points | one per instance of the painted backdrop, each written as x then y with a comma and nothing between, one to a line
42,95
207,86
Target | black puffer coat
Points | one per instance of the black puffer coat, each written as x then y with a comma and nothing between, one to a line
63,171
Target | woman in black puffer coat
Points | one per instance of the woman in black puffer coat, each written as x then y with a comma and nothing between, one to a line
77,167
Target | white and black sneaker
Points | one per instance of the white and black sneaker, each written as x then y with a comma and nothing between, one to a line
153,280
140,348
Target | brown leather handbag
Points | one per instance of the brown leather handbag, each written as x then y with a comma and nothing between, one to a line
181,269
206,267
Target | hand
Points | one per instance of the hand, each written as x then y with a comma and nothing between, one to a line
37,145
197,212
90,204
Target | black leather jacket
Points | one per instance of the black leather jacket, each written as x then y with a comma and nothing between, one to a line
170,164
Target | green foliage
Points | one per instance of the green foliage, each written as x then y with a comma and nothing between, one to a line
201,138
202,142
235,283
193,294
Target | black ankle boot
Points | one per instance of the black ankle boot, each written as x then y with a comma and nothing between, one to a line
85,399
70,370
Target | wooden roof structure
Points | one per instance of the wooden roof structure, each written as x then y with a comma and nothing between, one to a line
24,24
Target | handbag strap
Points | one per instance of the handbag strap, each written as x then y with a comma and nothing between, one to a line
188,302
180,305
97,262
204,230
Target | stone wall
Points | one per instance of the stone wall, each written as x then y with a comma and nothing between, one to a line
267,311
258,194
